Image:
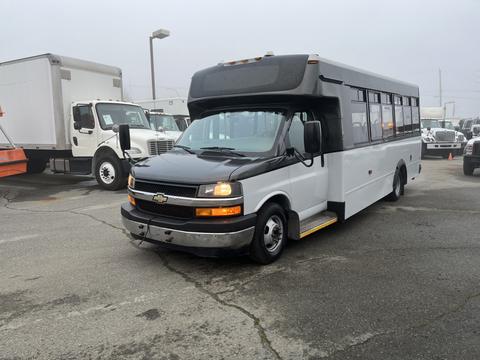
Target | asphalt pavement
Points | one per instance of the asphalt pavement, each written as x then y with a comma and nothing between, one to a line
397,281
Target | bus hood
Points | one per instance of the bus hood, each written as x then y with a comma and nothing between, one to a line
178,166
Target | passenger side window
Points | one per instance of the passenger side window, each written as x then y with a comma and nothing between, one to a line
86,117
375,116
399,115
387,124
295,133
359,122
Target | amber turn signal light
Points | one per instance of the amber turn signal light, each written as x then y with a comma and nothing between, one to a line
223,211
131,200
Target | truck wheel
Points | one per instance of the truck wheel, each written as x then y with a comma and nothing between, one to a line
468,168
109,174
36,166
397,187
270,234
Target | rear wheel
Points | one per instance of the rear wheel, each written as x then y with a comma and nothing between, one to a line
398,187
36,165
109,173
270,234
468,167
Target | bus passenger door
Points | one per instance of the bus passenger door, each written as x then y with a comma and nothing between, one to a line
308,185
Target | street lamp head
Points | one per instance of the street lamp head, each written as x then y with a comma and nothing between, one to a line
160,34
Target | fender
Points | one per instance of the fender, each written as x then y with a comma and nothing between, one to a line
293,220
102,150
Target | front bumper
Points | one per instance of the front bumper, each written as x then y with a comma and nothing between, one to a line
443,149
207,237
472,159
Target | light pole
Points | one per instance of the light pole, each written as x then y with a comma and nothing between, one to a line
159,34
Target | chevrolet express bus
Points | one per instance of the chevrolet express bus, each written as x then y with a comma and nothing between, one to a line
279,148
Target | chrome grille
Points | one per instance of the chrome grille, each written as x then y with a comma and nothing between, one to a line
476,148
445,135
157,147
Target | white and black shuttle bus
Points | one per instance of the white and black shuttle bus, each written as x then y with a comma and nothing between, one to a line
279,148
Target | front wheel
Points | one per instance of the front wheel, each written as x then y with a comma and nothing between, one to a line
109,174
270,234
468,168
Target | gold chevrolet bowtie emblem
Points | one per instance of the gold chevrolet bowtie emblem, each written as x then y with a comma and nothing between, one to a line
160,198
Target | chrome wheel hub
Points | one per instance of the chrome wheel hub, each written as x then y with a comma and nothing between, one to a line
107,173
273,233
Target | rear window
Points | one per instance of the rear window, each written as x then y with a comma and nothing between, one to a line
269,74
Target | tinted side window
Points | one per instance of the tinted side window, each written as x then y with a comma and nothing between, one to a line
387,124
86,117
407,118
295,133
415,119
399,119
375,122
359,122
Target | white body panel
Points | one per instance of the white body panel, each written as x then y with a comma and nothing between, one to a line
174,106
357,177
37,93
26,96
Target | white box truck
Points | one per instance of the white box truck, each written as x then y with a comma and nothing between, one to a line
67,111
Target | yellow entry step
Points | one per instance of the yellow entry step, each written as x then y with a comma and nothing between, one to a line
317,222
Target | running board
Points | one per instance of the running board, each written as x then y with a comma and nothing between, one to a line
317,222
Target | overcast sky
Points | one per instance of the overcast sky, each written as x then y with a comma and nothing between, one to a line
408,39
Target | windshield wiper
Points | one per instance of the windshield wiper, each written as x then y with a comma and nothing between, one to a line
228,150
186,148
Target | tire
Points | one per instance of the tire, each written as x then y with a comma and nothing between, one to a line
468,168
109,173
36,166
398,187
270,234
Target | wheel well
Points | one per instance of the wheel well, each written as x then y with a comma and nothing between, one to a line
293,221
281,200
403,172
102,151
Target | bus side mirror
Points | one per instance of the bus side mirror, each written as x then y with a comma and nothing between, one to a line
312,136
124,137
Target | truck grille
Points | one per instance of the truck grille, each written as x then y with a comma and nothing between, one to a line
157,147
167,189
445,135
476,148
166,210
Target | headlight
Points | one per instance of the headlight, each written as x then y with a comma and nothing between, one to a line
469,149
221,189
134,151
131,182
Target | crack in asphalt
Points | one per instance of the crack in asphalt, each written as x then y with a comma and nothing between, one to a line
421,325
256,321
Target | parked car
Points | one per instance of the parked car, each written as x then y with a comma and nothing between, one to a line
467,127
471,157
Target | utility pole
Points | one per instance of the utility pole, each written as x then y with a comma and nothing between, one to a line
440,86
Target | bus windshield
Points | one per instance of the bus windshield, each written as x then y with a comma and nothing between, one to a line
240,131
430,123
110,114
166,122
